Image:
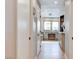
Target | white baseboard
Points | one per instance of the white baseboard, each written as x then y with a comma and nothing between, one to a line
65,56
36,57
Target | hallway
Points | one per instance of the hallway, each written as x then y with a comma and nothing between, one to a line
51,50
28,22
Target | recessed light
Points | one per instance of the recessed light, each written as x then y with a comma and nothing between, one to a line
55,2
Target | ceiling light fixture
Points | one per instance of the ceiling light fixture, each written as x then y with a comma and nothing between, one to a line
56,2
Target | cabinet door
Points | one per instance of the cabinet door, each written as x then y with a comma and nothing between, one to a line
51,36
63,41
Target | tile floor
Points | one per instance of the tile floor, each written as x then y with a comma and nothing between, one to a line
51,50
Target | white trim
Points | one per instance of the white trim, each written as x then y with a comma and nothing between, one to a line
36,57
65,56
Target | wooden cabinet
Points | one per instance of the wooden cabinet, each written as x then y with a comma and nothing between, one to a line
51,36
62,41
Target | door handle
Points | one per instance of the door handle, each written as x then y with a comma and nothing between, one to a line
72,38
29,38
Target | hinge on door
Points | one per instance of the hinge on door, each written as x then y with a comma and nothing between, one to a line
29,38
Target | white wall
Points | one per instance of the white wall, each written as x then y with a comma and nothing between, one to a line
11,19
10,29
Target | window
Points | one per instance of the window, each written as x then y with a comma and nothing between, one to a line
47,25
50,25
55,26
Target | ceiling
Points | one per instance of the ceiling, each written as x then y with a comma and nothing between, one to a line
52,8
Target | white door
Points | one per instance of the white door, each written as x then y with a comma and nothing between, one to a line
71,33
23,26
